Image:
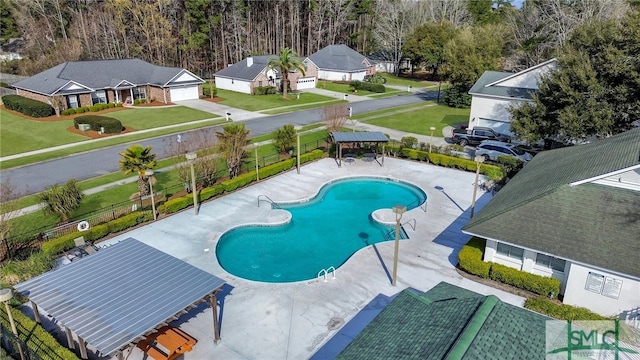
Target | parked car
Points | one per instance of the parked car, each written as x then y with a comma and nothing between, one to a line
490,150
476,135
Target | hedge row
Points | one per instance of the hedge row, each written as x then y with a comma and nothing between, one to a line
183,202
110,125
38,340
264,90
94,233
561,311
29,107
359,85
493,172
470,260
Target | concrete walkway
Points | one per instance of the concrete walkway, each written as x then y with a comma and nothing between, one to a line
337,95
235,114
293,320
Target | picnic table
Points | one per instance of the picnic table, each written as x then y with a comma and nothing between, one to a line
168,343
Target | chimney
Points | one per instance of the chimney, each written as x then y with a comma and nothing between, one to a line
249,61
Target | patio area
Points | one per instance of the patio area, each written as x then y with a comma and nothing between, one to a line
294,320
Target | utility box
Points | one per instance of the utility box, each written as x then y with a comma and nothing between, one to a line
84,127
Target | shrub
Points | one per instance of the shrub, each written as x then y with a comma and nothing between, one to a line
94,108
111,105
409,142
5,85
16,271
470,258
119,104
80,110
561,311
177,204
264,90
94,233
68,112
207,92
110,125
359,85
136,101
239,181
541,285
211,191
29,107
37,339
457,96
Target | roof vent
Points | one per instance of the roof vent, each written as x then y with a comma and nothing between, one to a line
249,61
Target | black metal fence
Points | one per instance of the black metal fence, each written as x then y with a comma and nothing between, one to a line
12,345
20,246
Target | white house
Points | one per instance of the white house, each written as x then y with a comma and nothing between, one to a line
574,214
338,63
253,72
495,91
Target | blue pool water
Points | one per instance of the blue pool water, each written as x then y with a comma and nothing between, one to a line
323,232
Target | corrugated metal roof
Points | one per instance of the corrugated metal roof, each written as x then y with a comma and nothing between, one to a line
120,293
371,136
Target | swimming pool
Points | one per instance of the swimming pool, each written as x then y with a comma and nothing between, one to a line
324,231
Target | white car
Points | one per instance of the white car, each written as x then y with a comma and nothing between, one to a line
490,150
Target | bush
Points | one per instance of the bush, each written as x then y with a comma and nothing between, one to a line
541,285
457,96
239,181
470,258
70,111
111,105
119,104
110,125
206,91
264,90
29,107
80,110
359,85
38,340
409,142
561,311
177,204
136,101
212,191
94,108
376,79
15,271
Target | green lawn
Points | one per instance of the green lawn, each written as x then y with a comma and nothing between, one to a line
263,102
18,134
342,88
149,118
416,83
418,121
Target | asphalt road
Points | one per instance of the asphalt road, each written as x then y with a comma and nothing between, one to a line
34,178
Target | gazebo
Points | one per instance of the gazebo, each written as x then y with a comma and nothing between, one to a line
370,137
116,297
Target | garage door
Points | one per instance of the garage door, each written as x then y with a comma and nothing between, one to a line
184,93
497,125
306,83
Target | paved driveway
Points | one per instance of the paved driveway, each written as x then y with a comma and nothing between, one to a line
294,320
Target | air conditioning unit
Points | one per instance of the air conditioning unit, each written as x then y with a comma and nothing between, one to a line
84,127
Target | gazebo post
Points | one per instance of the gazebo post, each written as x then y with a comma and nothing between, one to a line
340,150
216,326
70,343
83,348
383,154
36,313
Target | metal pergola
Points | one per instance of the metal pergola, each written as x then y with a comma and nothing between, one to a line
116,297
375,137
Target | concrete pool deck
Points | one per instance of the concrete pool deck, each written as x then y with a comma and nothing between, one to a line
295,320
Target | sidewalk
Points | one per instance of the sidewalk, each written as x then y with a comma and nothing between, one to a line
398,134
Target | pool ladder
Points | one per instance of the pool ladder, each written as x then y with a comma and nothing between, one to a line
263,197
325,273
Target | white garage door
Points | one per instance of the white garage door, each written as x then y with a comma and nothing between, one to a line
184,93
497,125
306,83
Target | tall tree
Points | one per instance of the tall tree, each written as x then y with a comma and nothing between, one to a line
61,200
426,44
137,159
287,62
231,144
595,91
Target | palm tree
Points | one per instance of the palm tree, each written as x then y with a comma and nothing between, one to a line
138,159
61,200
287,62
231,144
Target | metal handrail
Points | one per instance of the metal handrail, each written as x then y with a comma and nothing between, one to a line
409,222
269,200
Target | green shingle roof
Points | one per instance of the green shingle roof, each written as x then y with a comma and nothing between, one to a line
589,223
449,322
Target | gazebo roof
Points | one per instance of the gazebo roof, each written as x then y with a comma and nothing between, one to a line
353,137
119,294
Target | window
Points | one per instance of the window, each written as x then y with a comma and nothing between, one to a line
139,93
99,97
510,251
550,262
72,101
259,83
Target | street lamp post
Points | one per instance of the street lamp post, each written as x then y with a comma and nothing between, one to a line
431,129
192,156
398,210
149,173
479,160
298,128
5,296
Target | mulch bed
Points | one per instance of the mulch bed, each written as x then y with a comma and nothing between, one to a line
94,134
214,100
497,285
